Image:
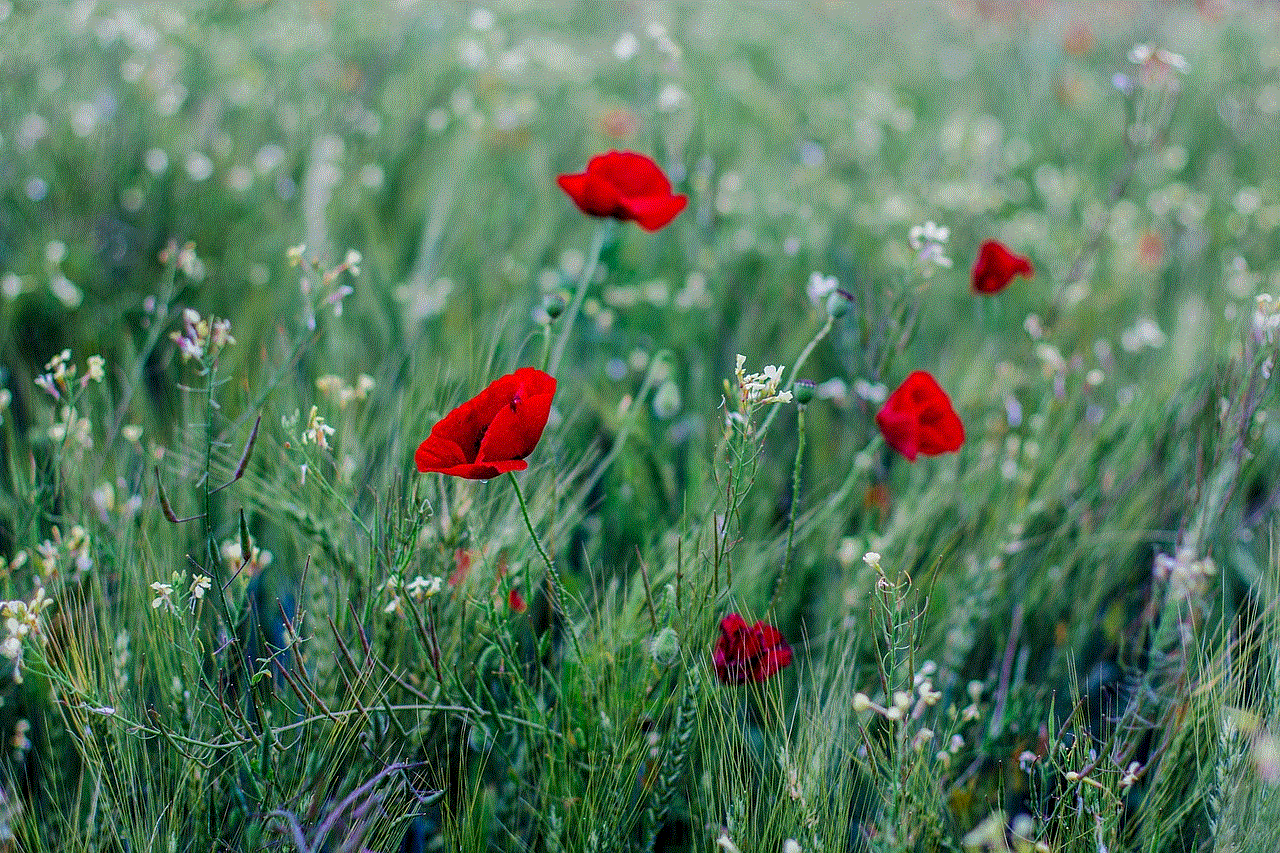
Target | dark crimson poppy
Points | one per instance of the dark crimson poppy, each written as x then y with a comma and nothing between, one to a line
996,266
624,185
918,418
493,431
748,652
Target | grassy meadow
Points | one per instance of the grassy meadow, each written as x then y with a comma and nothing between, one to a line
252,251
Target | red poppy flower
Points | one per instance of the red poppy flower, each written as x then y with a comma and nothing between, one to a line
516,601
624,185
493,431
996,266
918,418
748,652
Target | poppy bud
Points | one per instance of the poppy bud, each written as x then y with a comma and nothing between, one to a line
554,304
838,304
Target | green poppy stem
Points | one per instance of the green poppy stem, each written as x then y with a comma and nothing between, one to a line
795,500
551,569
588,272
555,583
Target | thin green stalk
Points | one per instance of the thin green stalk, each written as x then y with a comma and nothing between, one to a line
551,569
213,559
795,368
557,585
795,500
588,272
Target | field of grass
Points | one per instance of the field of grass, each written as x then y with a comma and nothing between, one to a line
251,252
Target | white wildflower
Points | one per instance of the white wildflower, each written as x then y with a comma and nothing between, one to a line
200,584
95,366
1266,316
220,334
317,431
820,287
759,388
1146,54
725,843
929,242
421,588
163,595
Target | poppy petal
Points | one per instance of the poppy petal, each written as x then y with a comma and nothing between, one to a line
899,430
624,185
516,428
996,266
438,453
654,212
492,432
918,418
634,175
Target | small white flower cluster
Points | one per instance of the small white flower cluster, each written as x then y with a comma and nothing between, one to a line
22,620
335,388
929,242
200,336
186,260
317,431
1185,575
105,502
76,546
1266,317
821,287
60,372
757,389
419,589
163,591
8,567
1144,333
330,293
972,711
1146,54
906,704
71,427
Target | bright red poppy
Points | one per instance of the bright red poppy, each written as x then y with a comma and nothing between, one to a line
996,266
624,185
918,418
748,652
493,431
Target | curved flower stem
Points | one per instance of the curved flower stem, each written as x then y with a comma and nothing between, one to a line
795,499
588,272
795,368
551,569
557,604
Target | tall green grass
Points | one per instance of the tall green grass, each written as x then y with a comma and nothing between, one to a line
1066,642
